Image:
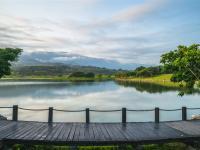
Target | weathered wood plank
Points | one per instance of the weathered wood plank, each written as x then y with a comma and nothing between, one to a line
65,133
34,132
190,128
43,132
31,128
57,132
91,133
72,132
105,133
115,134
17,129
61,131
82,132
7,129
97,133
77,132
53,129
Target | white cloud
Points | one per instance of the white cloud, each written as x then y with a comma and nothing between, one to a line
136,11
110,38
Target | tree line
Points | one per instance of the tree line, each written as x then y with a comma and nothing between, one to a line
144,72
61,70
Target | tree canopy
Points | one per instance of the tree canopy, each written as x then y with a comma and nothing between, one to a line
143,72
82,74
184,63
8,55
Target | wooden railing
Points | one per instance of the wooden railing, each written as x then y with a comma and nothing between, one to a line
87,111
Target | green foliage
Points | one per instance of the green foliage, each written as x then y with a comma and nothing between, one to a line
82,74
90,75
77,74
168,146
59,70
139,68
8,55
39,147
150,87
149,72
184,62
142,72
198,84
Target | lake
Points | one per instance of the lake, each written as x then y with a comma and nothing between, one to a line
94,95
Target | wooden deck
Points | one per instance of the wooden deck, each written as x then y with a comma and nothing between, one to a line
97,133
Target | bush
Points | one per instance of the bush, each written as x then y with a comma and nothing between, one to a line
82,74
90,75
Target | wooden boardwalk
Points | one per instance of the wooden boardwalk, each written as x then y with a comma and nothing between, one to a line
97,133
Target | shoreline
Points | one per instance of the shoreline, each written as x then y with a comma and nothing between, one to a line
54,79
163,80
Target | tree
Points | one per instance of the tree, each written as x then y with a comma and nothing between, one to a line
184,62
144,73
77,74
8,55
82,74
90,75
149,72
139,68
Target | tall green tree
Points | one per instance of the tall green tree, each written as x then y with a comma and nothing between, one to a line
8,55
184,63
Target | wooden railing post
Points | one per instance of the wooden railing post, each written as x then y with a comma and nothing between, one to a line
50,117
87,113
157,115
184,113
123,115
15,113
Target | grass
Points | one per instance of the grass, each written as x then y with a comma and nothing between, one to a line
40,147
55,78
163,80
166,146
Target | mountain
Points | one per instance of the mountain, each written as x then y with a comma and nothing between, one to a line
41,58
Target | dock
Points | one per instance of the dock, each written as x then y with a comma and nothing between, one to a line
24,132
90,133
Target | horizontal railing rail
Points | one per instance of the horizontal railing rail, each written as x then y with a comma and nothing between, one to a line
33,109
140,109
6,107
193,108
87,111
115,110
170,109
82,110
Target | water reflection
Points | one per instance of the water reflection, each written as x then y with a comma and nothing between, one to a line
153,88
51,90
94,95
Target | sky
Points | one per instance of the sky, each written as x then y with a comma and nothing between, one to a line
127,31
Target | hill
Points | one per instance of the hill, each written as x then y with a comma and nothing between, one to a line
58,70
41,58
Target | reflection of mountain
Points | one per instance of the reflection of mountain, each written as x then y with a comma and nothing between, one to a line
51,90
150,87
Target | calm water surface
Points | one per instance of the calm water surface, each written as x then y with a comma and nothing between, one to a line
94,95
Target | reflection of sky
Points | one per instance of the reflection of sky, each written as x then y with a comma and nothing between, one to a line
96,95
51,90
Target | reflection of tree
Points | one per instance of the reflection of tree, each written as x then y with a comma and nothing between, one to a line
153,88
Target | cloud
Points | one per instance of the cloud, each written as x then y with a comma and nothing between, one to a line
74,37
136,11
131,33
130,14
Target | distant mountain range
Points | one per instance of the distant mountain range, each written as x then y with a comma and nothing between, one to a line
42,58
